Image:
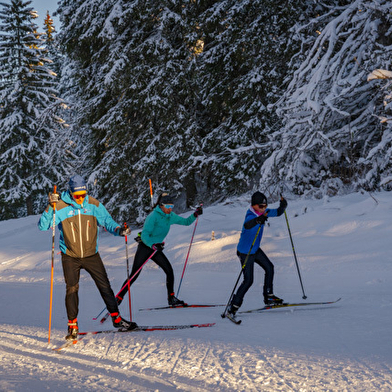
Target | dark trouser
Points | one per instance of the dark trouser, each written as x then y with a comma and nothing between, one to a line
263,261
94,266
143,252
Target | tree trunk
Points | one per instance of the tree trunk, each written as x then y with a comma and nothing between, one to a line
29,205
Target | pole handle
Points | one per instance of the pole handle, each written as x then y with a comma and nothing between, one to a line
54,191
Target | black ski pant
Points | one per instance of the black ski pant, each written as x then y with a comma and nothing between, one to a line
94,266
143,252
264,262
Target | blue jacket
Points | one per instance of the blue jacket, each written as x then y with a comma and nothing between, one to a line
78,224
248,235
157,225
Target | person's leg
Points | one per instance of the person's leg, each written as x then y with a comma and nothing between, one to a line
248,273
143,252
162,261
268,288
71,269
264,262
94,266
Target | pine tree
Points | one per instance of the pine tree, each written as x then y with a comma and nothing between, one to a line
247,49
28,123
133,80
331,134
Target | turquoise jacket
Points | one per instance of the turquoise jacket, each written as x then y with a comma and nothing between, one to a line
78,224
157,225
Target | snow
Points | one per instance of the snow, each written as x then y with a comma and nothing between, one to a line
343,249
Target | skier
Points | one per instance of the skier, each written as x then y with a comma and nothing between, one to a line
255,218
78,216
155,229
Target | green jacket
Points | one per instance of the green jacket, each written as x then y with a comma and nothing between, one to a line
157,225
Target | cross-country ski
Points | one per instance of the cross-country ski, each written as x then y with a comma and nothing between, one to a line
287,305
185,306
140,328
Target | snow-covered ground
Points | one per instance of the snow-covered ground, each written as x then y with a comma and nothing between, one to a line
344,250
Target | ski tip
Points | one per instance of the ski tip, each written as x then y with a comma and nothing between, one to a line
205,325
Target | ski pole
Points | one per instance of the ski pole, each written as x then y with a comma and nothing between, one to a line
295,256
223,315
129,283
131,278
52,268
186,260
151,195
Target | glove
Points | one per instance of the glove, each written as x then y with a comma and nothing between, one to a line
138,238
159,247
261,219
283,203
199,211
123,231
53,198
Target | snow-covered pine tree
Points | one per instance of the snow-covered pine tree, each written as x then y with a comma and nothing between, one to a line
136,101
63,147
51,46
332,139
383,150
28,123
247,48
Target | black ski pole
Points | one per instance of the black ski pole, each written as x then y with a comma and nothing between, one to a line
295,256
223,315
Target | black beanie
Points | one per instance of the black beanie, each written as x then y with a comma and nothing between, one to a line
164,198
258,198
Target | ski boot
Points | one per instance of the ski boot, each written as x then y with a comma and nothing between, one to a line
73,330
230,314
174,301
119,322
271,299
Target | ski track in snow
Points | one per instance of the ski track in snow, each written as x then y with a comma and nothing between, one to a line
343,247
145,364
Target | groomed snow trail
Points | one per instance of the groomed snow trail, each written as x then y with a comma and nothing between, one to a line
168,362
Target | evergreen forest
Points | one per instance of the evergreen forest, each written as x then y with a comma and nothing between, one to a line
207,99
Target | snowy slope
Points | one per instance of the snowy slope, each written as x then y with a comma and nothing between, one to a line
344,250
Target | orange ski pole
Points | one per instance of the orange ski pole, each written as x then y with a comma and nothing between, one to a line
51,272
151,195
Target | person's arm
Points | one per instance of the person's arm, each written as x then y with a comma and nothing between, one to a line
104,219
179,220
259,220
148,228
282,206
46,219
